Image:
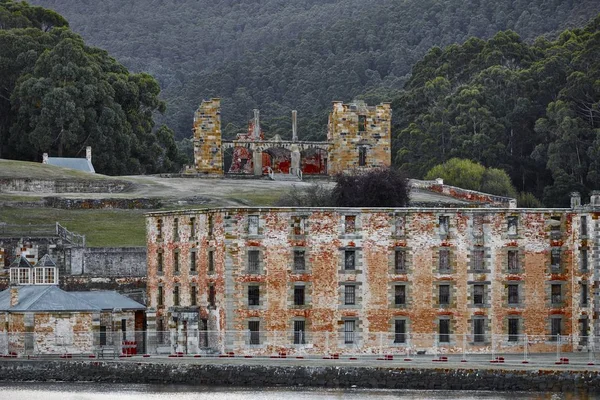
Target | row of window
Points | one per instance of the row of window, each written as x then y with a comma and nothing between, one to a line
479,330
299,225
212,293
513,264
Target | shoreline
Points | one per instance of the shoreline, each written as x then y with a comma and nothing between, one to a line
326,376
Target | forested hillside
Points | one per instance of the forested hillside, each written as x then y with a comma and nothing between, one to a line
530,109
58,95
279,55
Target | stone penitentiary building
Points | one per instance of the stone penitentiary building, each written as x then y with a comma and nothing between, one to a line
358,137
364,280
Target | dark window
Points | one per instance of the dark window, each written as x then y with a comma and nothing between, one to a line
400,261
253,224
584,294
555,327
556,290
362,156
513,223
399,225
400,295
176,262
210,225
298,295
350,224
212,294
583,230
444,331
253,295
513,294
299,332
211,262
124,328
478,294
444,265
583,333
362,123
583,256
299,260
192,228
349,328
192,261
254,328
176,229
161,297
513,329
159,225
513,261
193,296
349,260
159,261
555,259
444,294
477,259
176,296
253,261
400,331
102,335
444,221
479,330
349,294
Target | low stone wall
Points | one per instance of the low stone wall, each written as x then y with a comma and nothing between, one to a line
114,261
326,376
463,194
62,185
73,204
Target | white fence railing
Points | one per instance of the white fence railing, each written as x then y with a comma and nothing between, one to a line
292,343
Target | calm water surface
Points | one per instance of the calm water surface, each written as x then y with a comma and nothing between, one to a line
87,391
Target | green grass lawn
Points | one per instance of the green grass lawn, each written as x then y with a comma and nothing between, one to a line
102,228
25,169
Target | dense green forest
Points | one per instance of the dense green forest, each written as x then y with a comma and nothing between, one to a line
279,55
58,95
530,109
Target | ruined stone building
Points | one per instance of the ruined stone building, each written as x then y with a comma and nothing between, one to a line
358,137
359,280
37,317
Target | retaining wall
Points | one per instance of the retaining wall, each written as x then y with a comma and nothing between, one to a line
335,377
62,185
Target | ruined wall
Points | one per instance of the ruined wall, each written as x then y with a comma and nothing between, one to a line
356,126
115,261
62,185
513,247
207,138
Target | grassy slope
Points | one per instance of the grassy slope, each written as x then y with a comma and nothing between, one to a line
24,169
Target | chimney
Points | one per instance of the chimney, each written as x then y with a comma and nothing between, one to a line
88,153
45,158
595,198
294,126
256,133
14,296
575,199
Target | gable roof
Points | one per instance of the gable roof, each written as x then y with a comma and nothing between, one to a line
81,164
21,262
49,298
46,261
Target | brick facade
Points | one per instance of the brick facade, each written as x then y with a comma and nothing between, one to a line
423,271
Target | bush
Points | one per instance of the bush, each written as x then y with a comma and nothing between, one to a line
375,188
315,195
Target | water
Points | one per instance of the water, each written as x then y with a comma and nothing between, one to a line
103,391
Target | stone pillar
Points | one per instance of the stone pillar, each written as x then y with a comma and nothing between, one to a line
595,198
14,296
294,126
295,155
45,158
256,130
575,199
88,153
257,162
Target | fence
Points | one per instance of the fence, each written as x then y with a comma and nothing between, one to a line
292,343
11,230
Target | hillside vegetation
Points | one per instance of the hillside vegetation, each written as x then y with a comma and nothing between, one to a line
279,55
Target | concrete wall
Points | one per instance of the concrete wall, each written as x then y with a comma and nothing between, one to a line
114,261
62,185
570,382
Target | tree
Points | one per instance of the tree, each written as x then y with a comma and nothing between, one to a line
384,187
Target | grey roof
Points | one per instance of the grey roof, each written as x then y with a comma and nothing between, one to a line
21,262
109,300
81,164
46,261
50,298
